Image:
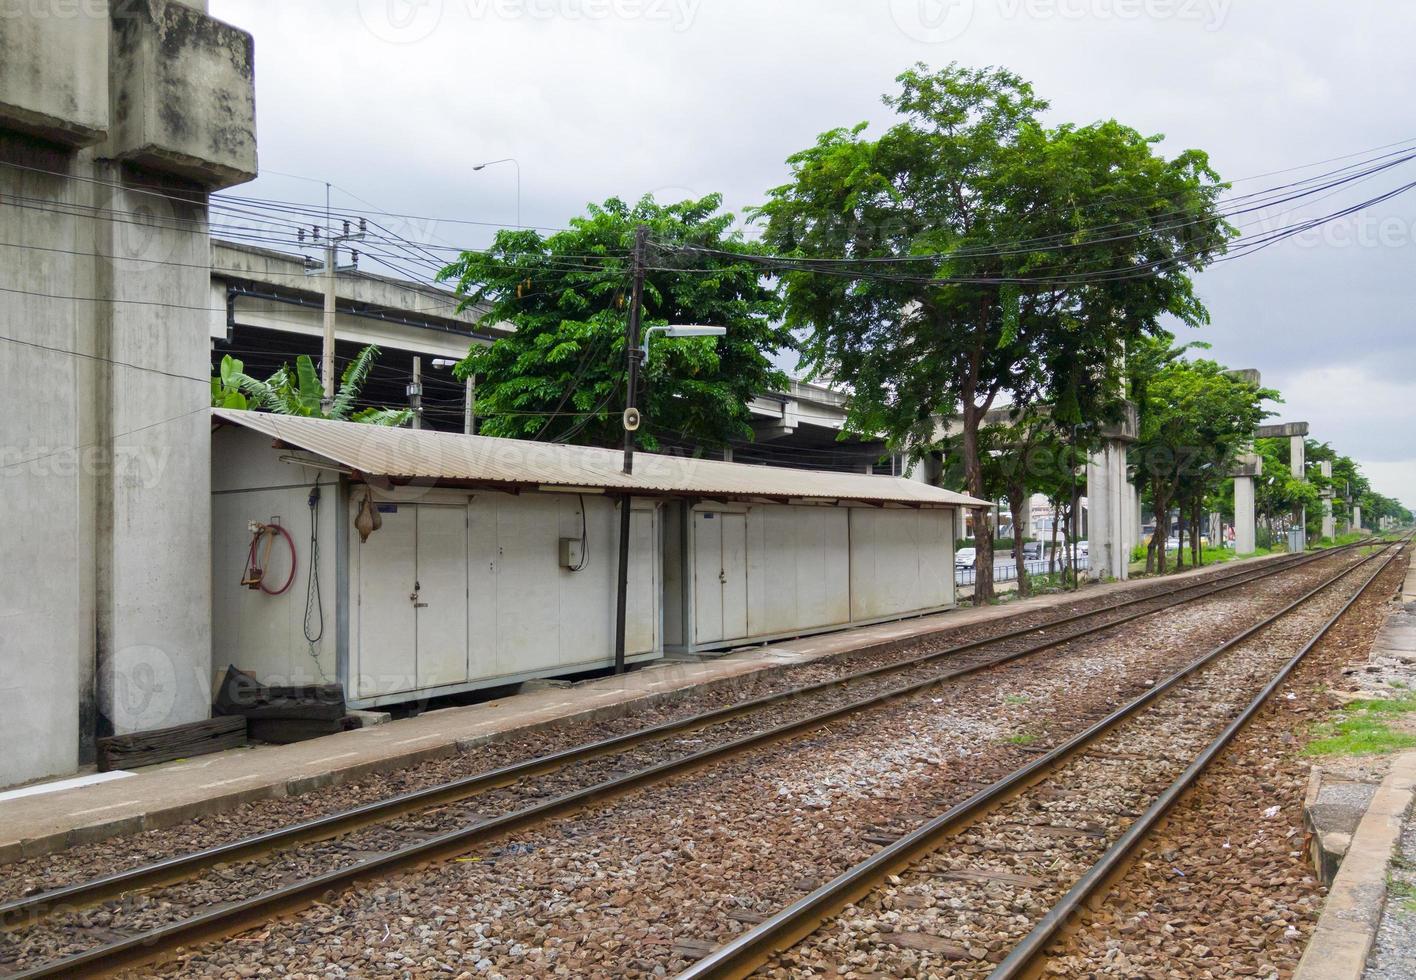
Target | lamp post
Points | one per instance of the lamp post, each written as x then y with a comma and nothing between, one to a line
515,163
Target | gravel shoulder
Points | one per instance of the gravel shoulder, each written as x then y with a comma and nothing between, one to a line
1224,886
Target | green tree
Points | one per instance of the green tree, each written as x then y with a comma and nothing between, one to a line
1195,419
299,392
560,375
972,251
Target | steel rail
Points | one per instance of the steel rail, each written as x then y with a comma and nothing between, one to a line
1025,957
142,947
24,912
744,954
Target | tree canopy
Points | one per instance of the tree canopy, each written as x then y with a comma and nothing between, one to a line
1195,419
972,251
560,375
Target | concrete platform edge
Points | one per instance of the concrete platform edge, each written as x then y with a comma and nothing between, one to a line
1340,945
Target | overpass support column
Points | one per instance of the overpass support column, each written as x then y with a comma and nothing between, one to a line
1249,467
1244,537
1329,526
1356,517
1107,496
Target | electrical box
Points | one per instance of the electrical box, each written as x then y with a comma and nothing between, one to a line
572,553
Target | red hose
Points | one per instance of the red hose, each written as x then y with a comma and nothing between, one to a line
251,558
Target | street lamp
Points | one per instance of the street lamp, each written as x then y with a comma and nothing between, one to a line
633,418
686,330
513,161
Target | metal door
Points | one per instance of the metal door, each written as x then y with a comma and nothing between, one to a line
439,595
707,578
388,567
734,577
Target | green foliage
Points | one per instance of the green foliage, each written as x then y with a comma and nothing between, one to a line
225,389
1362,727
299,391
1195,419
561,374
954,321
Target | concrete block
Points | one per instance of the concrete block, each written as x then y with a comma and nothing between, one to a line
1331,812
183,94
543,684
1339,946
54,71
1282,430
368,719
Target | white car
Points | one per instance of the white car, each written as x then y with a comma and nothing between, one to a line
965,558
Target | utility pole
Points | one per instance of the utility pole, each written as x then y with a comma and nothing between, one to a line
469,410
632,352
631,424
415,393
328,271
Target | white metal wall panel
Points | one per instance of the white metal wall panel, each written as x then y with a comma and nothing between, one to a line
528,583
482,614
442,595
798,568
265,633
586,598
387,660
899,562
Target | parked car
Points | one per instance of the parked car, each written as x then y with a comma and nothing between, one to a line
965,558
1032,550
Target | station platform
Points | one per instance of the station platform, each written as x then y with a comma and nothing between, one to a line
41,822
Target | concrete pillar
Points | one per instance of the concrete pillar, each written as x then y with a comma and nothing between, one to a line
123,122
1329,526
1137,521
1298,463
1356,517
1108,495
1245,541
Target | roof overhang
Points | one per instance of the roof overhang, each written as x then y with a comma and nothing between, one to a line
371,453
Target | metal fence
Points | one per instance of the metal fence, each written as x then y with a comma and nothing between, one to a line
1006,572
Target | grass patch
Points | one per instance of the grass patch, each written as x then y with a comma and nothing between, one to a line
1022,738
1403,892
1361,728
1016,699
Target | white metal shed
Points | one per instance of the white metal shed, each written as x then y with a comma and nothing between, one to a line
496,559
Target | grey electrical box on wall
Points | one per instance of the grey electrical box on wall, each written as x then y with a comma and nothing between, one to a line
572,554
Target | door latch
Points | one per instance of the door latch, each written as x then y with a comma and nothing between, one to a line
413,598
723,576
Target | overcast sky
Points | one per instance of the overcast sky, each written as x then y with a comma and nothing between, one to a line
395,100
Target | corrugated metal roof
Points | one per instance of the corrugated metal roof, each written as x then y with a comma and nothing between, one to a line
409,454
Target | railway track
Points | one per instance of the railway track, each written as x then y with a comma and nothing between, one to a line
1025,853
433,828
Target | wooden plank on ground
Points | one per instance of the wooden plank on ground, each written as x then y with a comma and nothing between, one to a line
166,744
